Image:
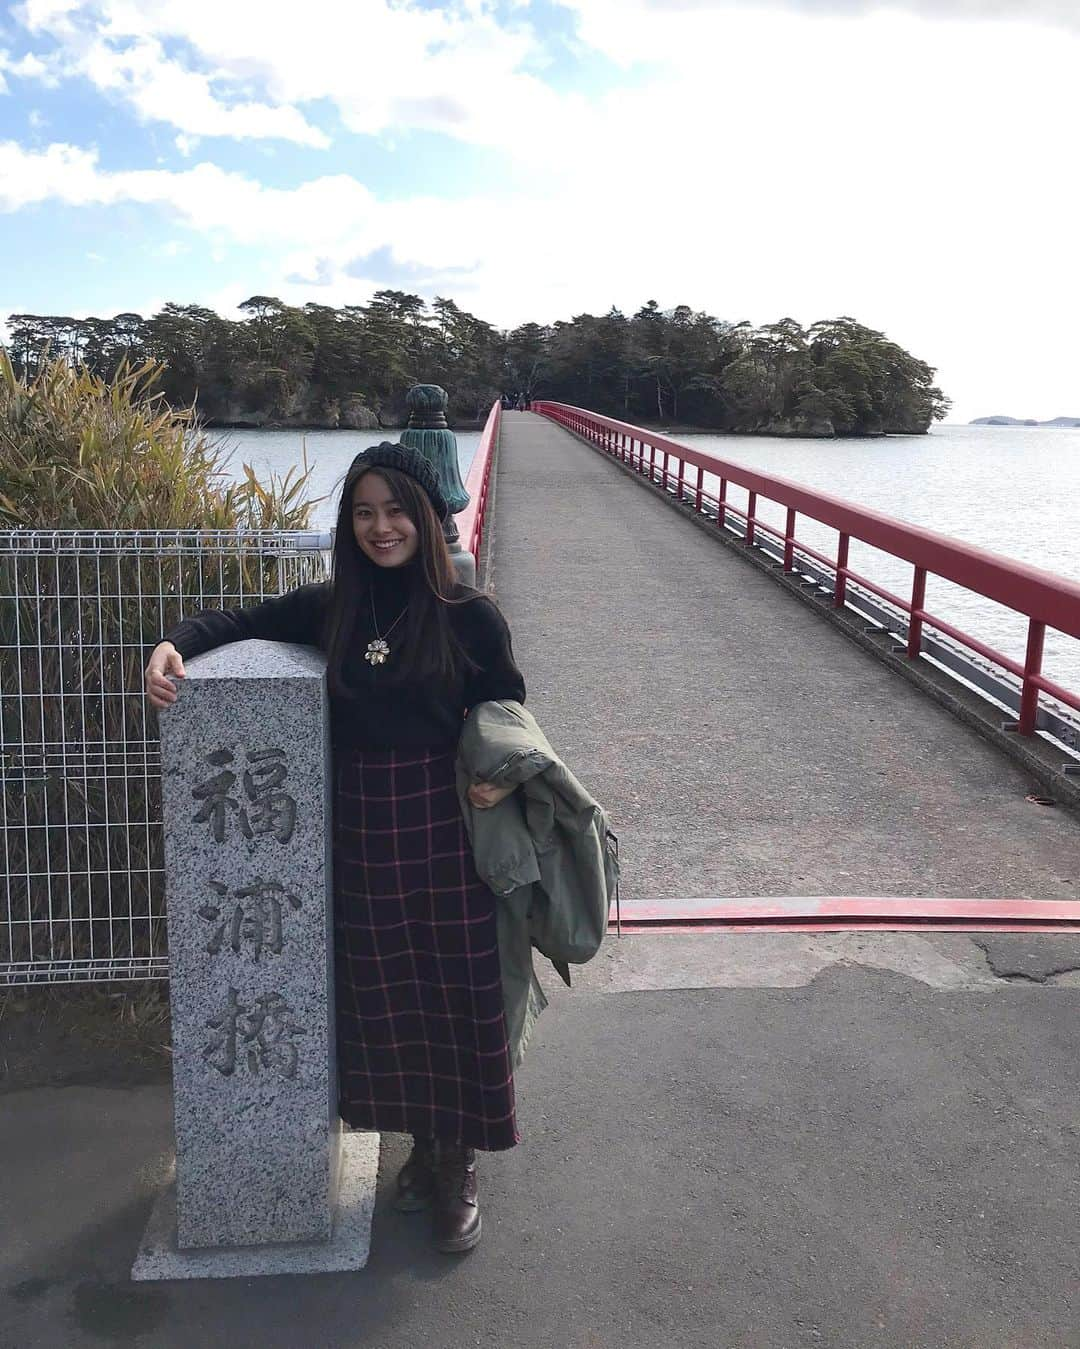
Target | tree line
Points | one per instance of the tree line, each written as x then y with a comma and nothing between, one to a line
315,365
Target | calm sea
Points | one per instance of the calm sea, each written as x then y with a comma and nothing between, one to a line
1012,490
329,454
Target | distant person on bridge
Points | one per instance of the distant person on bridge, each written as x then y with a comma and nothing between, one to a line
422,1033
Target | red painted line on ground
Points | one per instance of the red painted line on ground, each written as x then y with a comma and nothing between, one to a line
866,914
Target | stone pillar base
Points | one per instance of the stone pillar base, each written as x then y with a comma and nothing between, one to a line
464,566
347,1249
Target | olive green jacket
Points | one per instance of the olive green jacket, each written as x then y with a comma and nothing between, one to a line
545,850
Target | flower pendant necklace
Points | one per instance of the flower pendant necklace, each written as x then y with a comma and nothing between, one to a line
378,651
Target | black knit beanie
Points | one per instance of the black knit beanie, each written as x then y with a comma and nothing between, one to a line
407,460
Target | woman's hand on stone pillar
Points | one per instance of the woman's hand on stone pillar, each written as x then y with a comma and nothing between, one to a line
165,661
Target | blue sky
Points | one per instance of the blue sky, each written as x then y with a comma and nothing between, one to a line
907,163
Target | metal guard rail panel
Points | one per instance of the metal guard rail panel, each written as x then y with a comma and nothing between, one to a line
81,863
1045,599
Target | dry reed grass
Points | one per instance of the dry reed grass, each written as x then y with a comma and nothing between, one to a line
80,845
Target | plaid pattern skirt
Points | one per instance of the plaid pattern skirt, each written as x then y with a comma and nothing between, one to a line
421,1035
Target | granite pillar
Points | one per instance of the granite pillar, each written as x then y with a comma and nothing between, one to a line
246,801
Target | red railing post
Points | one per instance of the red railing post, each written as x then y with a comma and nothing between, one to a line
700,488
652,463
840,593
751,512
721,504
667,457
918,607
682,475
1029,696
789,540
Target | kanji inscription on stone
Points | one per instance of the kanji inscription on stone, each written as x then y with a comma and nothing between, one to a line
260,1033
248,917
263,809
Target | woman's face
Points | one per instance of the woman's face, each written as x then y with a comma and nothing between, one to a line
380,526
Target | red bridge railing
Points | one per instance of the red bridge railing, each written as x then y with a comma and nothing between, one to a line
471,520
1046,600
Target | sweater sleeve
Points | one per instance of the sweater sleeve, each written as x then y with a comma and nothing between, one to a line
295,616
497,676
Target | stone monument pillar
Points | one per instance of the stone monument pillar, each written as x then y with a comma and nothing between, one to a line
261,1162
428,432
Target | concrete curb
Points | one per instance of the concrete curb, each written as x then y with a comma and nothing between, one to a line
1035,756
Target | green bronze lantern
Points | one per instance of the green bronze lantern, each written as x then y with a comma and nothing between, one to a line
428,432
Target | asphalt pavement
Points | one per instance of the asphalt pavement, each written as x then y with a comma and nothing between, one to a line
861,1161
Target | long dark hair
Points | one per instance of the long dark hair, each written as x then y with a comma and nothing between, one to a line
429,649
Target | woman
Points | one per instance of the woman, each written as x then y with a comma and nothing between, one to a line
421,1031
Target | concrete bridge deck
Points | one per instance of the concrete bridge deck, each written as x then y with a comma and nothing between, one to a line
738,1140
743,746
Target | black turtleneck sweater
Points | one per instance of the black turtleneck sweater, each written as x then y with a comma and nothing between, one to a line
380,716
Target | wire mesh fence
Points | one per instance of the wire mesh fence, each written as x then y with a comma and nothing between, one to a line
81,853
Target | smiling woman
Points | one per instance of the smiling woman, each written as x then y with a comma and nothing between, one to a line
381,527
423,1039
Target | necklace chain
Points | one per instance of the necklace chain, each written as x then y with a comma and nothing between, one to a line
378,651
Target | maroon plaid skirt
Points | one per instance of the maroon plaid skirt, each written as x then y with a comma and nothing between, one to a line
421,1035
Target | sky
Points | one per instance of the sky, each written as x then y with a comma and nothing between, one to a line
910,164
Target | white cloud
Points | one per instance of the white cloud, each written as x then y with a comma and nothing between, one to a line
612,25
1063,12
52,14
687,33
158,87
27,67
914,174
161,89
386,65
60,172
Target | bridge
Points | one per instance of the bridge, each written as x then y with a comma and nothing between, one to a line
726,726
825,1088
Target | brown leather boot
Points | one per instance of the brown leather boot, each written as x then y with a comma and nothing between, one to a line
457,1207
416,1179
